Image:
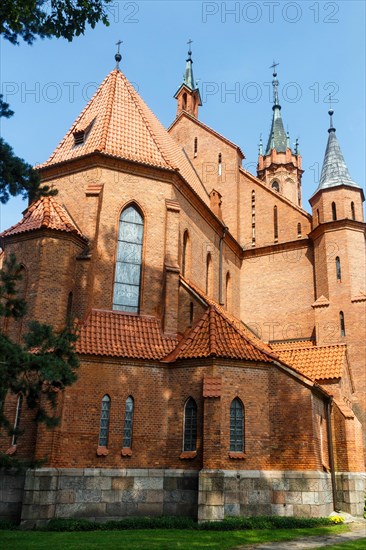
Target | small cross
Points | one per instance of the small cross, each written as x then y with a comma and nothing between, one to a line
274,65
189,43
330,101
118,44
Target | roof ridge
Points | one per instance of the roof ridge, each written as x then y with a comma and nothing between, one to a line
108,114
146,121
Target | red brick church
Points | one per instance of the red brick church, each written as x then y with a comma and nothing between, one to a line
221,326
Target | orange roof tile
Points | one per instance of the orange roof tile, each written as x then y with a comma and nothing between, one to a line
295,344
120,334
316,362
118,123
212,386
215,335
45,213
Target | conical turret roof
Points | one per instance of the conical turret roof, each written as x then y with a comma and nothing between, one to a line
334,171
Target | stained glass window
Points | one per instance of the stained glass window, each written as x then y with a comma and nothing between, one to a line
190,425
236,426
127,430
127,281
104,421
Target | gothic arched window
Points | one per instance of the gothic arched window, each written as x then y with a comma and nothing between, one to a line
209,275
338,269
275,223
104,421
190,425
342,323
184,103
237,426
127,281
127,428
353,210
275,186
299,229
228,291
334,211
185,254
220,164
17,420
195,147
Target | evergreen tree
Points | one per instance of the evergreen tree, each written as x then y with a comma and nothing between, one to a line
40,367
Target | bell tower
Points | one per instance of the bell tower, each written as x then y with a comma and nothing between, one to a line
280,167
188,95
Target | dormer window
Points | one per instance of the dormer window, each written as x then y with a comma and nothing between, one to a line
81,132
79,138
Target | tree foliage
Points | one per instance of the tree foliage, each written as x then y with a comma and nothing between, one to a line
41,366
32,19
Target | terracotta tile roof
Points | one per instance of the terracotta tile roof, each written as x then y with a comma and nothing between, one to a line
236,322
46,213
120,334
316,362
215,335
295,344
344,408
118,123
212,386
322,301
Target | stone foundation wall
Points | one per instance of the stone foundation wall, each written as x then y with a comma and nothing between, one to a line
101,494
11,495
225,493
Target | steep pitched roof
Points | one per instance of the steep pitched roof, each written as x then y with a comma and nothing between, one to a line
216,336
315,362
120,334
118,123
45,213
334,171
236,322
277,138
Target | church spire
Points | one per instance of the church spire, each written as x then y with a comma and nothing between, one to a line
188,75
334,171
188,96
277,137
279,166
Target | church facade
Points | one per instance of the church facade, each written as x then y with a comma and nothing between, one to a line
221,327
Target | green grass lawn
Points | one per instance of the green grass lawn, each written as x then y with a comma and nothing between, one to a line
359,544
155,539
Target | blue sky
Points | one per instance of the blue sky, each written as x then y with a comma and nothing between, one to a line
320,47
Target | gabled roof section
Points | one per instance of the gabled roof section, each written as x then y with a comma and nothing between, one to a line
205,127
216,336
117,122
126,335
45,213
315,362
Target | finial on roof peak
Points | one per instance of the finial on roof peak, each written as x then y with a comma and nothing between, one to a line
275,83
189,49
331,113
118,56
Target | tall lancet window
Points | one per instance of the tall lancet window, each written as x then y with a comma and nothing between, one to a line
334,211
353,210
127,281
236,426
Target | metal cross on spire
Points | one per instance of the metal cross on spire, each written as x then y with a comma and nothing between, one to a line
189,46
118,56
330,113
275,83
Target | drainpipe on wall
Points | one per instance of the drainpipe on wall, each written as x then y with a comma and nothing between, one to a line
225,230
331,453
